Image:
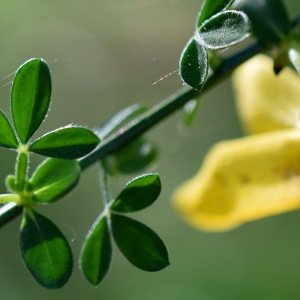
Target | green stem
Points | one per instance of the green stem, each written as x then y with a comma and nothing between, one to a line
165,108
151,118
21,171
104,186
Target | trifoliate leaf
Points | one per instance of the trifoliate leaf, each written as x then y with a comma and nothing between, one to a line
45,251
139,193
30,97
139,244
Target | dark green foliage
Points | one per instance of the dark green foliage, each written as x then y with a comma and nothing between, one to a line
97,252
212,7
45,251
67,143
138,194
53,179
216,28
139,244
270,21
30,97
224,29
132,158
194,64
7,135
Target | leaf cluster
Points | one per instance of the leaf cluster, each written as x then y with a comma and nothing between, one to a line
139,244
216,28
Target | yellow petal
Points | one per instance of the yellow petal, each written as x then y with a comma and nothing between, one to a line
266,101
243,180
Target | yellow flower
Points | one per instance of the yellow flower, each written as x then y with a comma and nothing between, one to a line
256,176
266,101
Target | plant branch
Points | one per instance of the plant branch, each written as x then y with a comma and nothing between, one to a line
149,119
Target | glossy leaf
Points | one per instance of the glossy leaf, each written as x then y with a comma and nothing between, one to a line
134,157
53,179
30,97
269,18
67,143
7,136
224,29
193,64
139,193
139,244
97,252
120,119
212,7
294,57
45,251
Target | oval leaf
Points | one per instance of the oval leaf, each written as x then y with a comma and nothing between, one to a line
45,250
269,18
30,97
224,29
120,119
193,64
53,179
138,194
97,252
139,244
7,136
67,143
134,157
212,7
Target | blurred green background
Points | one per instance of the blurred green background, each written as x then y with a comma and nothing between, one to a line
105,55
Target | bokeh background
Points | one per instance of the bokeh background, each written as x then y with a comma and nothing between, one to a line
105,55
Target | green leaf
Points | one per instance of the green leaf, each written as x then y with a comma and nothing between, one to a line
45,251
193,64
270,21
189,111
53,179
30,97
7,136
120,119
134,157
67,143
294,57
212,7
224,29
96,252
6,198
139,244
139,193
